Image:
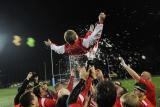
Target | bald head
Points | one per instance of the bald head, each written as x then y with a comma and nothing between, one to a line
146,75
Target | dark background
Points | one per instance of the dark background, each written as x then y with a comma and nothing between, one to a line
133,26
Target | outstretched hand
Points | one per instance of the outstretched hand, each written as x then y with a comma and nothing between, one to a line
101,17
48,43
92,72
83,74
122,62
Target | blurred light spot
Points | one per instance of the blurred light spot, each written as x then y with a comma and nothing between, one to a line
143,57
30,42
17,40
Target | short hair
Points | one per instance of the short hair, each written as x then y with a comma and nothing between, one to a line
106,94
129,100
147,74
26,99
62,101
57,85
70,36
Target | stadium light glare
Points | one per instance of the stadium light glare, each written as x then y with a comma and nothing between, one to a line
17,40
3,41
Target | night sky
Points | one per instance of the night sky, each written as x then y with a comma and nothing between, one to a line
132,26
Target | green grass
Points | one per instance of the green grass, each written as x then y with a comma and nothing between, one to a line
7,95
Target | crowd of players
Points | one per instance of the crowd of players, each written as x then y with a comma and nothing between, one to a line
92,90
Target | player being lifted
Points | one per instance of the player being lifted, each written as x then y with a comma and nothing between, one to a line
79,46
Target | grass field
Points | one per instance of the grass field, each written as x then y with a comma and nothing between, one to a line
7,95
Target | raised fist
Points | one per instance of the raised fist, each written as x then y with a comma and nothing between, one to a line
101,17
122,61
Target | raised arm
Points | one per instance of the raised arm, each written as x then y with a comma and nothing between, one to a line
79,87
22,88
130,70
71,80
57,49
96,34
89,80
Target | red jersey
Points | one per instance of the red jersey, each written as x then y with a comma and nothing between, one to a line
146,103
81,97
17,105
70,84
81,45
45,102
150,90
117,103
77,48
